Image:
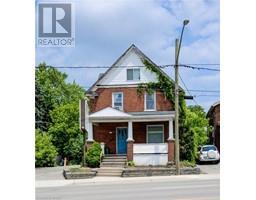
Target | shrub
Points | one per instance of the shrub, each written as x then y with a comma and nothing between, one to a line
74,149
93,155
131,163
186,163
45,151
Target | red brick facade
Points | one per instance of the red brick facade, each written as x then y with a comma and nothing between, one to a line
106,132
131,100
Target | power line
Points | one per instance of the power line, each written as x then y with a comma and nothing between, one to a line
200,68
210,91
187,89
206,95
160,66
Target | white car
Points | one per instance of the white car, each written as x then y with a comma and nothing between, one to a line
208,153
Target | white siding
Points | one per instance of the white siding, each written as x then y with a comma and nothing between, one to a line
118,75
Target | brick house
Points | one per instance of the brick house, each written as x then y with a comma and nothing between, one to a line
124,122
214,119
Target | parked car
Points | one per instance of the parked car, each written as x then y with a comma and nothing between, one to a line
208,153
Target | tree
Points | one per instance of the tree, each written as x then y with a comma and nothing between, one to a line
45,151
196,129
52,91
65,132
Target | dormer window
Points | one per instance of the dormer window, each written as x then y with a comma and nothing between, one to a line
133,74
117,100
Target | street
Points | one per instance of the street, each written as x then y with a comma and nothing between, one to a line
189,187
50,185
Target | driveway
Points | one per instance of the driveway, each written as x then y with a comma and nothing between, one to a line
49,173
208,168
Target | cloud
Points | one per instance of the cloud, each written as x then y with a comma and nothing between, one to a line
105,29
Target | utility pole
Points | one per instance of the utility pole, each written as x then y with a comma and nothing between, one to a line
177,53
177,146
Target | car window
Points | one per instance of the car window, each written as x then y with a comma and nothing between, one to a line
208,148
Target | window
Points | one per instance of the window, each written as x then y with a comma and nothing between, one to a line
133,74
155,134
150,101
117,100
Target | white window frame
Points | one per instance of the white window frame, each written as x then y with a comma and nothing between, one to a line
113,99
158,125
132,74
145,102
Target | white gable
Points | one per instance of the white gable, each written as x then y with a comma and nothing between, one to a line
109,112
118,75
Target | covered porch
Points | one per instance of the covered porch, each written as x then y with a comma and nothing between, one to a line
144,137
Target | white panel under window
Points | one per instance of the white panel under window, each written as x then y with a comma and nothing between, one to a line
155,134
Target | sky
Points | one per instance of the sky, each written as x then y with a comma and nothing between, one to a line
105,29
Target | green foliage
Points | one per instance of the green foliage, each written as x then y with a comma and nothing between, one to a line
45,152
131,163
186,163
65,131
51,91
57,111
93,155
193,125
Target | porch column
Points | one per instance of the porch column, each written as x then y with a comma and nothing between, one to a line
89,134
130,142
171,143
171,129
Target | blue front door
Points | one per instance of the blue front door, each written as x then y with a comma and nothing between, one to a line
121,140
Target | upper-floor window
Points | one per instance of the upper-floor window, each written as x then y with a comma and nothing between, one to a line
117,100
150,101
133,74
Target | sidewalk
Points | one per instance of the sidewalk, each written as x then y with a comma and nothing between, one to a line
120,180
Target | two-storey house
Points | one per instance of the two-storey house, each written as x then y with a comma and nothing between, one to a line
139,126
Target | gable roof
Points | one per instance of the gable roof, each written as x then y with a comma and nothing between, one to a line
110,113
141,56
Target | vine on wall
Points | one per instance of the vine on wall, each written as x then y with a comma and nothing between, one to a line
167,86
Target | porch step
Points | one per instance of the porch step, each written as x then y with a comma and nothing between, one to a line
114,159
115,156
117,164
110,171
112,165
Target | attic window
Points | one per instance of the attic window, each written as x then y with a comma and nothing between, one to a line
133,74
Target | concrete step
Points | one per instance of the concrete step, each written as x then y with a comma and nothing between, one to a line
114,160
117,170
114,156
112,163
118,174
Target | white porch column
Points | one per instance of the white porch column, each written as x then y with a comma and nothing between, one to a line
130,131
90,132
170,129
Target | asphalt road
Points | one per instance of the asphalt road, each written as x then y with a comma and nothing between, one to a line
179,188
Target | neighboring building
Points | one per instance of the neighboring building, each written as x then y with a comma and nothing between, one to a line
139,126
214,117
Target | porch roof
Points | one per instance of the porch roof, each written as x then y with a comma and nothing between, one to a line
113,115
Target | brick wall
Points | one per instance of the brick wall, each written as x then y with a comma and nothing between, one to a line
132,101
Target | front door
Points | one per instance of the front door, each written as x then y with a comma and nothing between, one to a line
121,140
